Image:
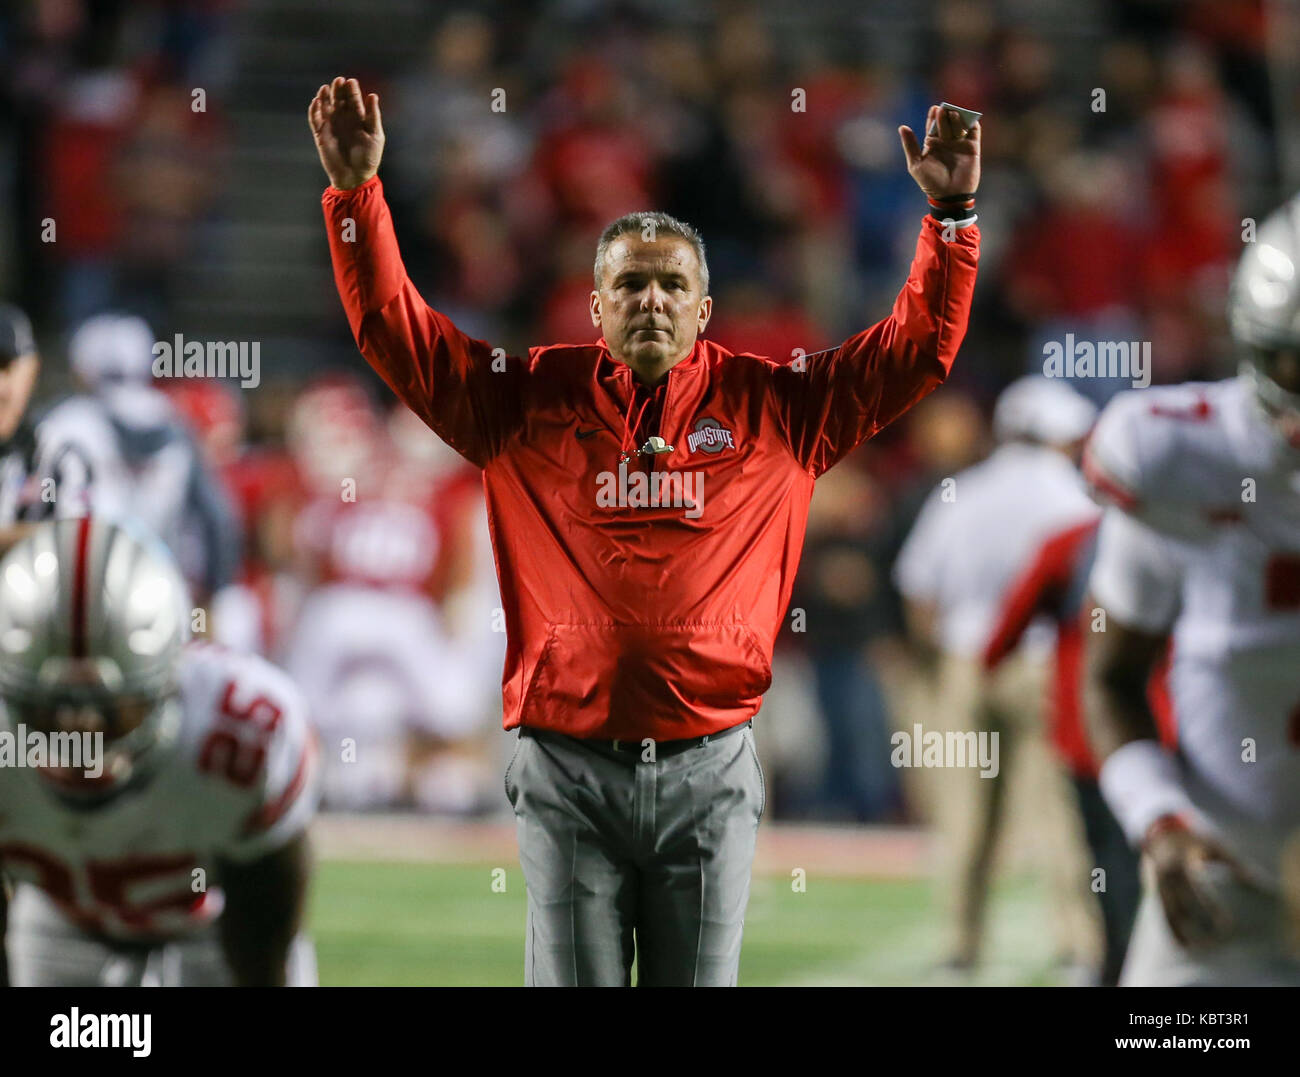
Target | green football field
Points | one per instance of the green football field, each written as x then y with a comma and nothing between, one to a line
442,924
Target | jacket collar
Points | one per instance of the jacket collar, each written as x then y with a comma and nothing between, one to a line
692,365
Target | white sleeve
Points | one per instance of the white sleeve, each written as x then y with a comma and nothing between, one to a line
1136,575
921,561
288,786
1118,457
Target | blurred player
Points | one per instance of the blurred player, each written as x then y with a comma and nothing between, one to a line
455,771
974,535
464,584
1201,544
122,448
261,484
370,647
20,500
184,860
1055,585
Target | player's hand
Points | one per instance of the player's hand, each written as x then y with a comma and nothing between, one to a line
349,132
1185,865
949,163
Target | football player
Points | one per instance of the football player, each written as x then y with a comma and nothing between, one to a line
974,535
121,447
179,857
378,555
1201,544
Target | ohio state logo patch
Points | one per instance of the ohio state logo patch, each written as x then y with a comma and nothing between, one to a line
709,436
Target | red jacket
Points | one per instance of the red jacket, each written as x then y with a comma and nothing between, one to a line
1055,584
624,619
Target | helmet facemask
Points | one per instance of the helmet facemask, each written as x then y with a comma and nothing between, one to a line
1271,372
94,616
1264,316
129,731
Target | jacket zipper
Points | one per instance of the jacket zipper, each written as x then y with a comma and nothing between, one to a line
663,418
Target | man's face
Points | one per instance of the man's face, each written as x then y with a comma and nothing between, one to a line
17,379
649,305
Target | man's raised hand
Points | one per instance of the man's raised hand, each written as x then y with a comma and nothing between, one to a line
349,132
949,163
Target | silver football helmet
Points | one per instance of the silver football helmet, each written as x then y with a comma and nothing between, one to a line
93,617
1264,316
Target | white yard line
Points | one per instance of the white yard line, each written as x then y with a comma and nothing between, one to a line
1017,953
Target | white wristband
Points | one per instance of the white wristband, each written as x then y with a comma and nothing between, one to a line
1140,782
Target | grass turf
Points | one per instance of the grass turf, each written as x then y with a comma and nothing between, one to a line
413,924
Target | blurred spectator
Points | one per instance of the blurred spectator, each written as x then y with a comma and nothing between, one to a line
510,147
1075,266
167,171
847,605
262,483
84,196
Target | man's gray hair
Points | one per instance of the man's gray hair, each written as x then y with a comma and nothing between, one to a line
651,224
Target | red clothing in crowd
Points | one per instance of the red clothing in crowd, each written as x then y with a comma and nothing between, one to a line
1055,584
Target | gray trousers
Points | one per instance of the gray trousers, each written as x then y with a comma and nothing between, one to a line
625,856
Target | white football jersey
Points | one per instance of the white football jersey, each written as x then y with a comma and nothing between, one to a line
1202,539
978,531
80,447
239,780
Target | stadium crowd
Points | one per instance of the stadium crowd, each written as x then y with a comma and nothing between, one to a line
782,150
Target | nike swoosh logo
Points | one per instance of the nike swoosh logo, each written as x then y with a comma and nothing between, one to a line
584,434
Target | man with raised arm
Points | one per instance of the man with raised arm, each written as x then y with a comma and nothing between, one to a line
648,494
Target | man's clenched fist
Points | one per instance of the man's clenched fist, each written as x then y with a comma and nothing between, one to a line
349,132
